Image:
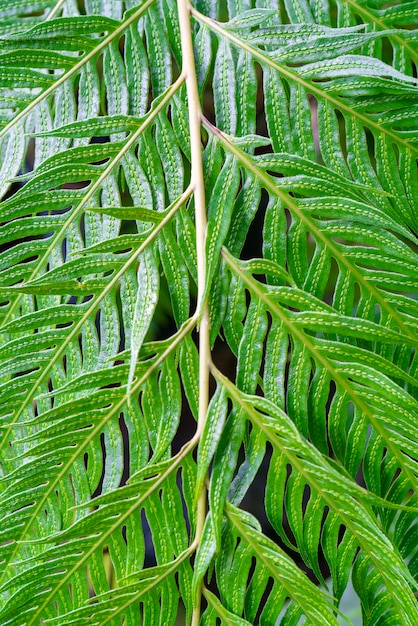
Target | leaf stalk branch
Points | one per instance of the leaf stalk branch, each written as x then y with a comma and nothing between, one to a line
54,11
95,303
314,89
275,190
374,19
95,186
362,405
185,329
63,79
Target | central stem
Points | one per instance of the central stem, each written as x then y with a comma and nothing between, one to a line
198,185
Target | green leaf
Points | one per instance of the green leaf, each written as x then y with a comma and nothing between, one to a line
208,311
146,301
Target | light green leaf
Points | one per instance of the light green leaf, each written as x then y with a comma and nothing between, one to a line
146,301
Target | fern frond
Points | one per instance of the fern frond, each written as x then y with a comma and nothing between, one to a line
222,190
